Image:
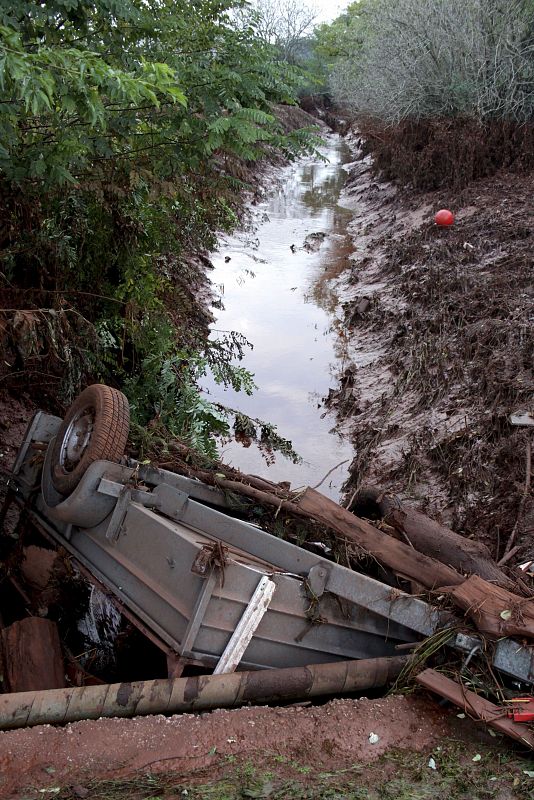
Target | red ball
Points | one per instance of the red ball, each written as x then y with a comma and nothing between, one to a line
444,217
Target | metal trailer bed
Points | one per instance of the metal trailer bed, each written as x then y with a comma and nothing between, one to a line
187,572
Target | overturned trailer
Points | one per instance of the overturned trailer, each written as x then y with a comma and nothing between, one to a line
205,587
187,570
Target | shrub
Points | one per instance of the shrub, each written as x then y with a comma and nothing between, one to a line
432,58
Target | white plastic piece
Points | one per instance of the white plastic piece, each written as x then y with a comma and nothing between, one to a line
246,627
522,418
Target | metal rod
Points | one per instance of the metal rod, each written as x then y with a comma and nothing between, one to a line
59,706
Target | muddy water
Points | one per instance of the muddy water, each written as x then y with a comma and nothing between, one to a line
277,293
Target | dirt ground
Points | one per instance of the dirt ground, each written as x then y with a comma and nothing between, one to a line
331,737
14,416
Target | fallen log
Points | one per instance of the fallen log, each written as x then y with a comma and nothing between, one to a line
260,496
388,551
494,610
223,472
399,557
475,706
429,538
403,559
485,602
433,539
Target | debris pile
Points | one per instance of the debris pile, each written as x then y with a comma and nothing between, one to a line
207,571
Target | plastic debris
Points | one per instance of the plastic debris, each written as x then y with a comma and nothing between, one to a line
444,218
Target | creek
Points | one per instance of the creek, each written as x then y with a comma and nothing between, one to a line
275,284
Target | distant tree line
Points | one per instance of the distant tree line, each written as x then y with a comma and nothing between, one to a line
400,59
443,90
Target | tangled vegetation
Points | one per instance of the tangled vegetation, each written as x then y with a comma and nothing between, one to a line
415,59
443,89
397,775
126,128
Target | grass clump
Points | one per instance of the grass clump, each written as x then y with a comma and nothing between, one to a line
452,771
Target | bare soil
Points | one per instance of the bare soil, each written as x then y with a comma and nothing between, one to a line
333,737
447,151
14,417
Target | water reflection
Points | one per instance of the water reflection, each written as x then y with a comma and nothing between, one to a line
277,295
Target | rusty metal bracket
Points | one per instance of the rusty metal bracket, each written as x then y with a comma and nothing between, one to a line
198,614
118,515
210,556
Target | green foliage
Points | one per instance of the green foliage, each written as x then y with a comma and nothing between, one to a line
265,435
320,49
118,122
57,106
340,38
164,392
84,84
165,397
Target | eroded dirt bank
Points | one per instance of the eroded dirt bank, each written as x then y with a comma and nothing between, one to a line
440,348
332,737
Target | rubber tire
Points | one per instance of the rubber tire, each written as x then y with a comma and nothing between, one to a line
109,436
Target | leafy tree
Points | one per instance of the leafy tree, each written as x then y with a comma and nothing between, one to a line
345,35
84,83
123,126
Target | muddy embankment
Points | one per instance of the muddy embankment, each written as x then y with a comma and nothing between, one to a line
440,349
202,747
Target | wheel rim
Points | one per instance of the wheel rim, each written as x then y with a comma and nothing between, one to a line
77,437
